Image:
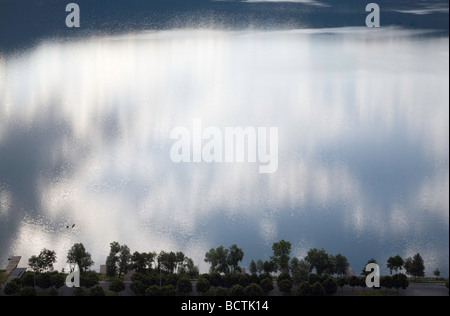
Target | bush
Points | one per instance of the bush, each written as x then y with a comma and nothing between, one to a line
28,291
243,280
43,280
97,291
202,285
400,281
254,290
330,286
215,279
313,278
341,282
169,290
172,279
138,287
237,290
57,280
284,276
27,279
12,287
304,289
267,285
117,285
317,289
285,285
184,285
220,291
153,290
89,279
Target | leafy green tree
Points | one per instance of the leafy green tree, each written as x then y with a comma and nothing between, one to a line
237,290
27,279
313,278
184,285
270,267
252,267
78,254
119,260
330,286
400,281
415,266
317,289
218,259
235,255
437,273
395,263
43,280
281,252
138,287
341,264
153,290
254,290
89,279
27,291
97,291
321,261
34,263
285,286
117,285
202,285
364,272
191,268
304,289
260,266
142,262
300,270
267,285
215,279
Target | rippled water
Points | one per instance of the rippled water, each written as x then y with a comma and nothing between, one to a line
363,122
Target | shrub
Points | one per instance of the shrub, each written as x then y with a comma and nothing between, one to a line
169,290
220,291
12,287
254,290
237,290
202,285
267,285
153,290
313,278
28,291
304,289
317,289
57,280
330,286
215,279
117,285
89,279
138,287
285,285
184,285
43,280
284,276
97,291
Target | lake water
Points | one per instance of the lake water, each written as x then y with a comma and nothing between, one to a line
363,121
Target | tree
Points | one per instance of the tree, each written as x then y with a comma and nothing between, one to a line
43,262
437,273
415,266
364,272
78,254
27,291
400,281
57,280
218,259
89,279
202,285
341,264
342,281
235,255
395,263
270,266
281,252
300,270
220,291
119,260
13,287
141,262
252,267
138,287
386,282
330,286
97,291
179,260
260,266
117,285
184,285
321,261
